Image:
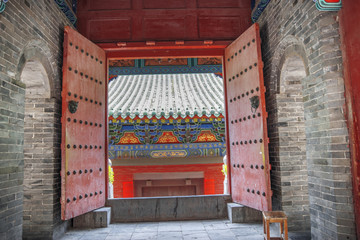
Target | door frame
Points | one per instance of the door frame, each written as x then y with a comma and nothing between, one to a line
167,49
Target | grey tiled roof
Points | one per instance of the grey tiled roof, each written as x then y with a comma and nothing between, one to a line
166,95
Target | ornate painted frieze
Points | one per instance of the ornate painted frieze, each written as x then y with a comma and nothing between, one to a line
148,133
211,149
168,137
160,132
164,139
187,132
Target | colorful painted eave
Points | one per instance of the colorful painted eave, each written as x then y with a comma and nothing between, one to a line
165,120
328,5
116,71
322,5
69,11
259,9
3,5
166,96
217,149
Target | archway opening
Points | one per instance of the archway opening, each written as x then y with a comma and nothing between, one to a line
166,127
38,148
36,79
287,147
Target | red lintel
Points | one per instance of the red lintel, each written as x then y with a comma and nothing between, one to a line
164,49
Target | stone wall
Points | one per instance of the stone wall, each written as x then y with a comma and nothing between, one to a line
168,208
30,31
296,29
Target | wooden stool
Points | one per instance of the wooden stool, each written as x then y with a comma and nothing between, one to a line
275,217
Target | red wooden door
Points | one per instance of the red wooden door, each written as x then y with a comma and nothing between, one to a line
248,141
83,126
112,21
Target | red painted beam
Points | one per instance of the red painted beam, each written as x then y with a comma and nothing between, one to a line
164,49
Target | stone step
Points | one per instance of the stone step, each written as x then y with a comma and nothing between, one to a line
152,209
238,213
99,218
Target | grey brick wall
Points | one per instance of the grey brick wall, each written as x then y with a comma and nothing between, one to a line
33,29
294,25
287,146
30,29
42,167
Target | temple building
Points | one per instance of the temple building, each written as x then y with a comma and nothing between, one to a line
167,131
166,89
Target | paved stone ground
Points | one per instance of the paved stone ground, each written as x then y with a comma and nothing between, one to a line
184,230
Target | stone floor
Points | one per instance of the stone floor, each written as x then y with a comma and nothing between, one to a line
184,230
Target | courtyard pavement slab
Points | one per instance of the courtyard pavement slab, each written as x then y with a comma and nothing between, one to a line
219,229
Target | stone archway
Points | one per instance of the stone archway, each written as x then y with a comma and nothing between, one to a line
36,79
42,129
287,148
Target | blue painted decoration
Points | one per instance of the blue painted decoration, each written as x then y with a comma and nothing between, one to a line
324,5
74,5
116,71
210,149
259,10
253,2
68,11
149,133
3,5
143,139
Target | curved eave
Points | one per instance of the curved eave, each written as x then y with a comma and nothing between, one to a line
171,96
145,118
